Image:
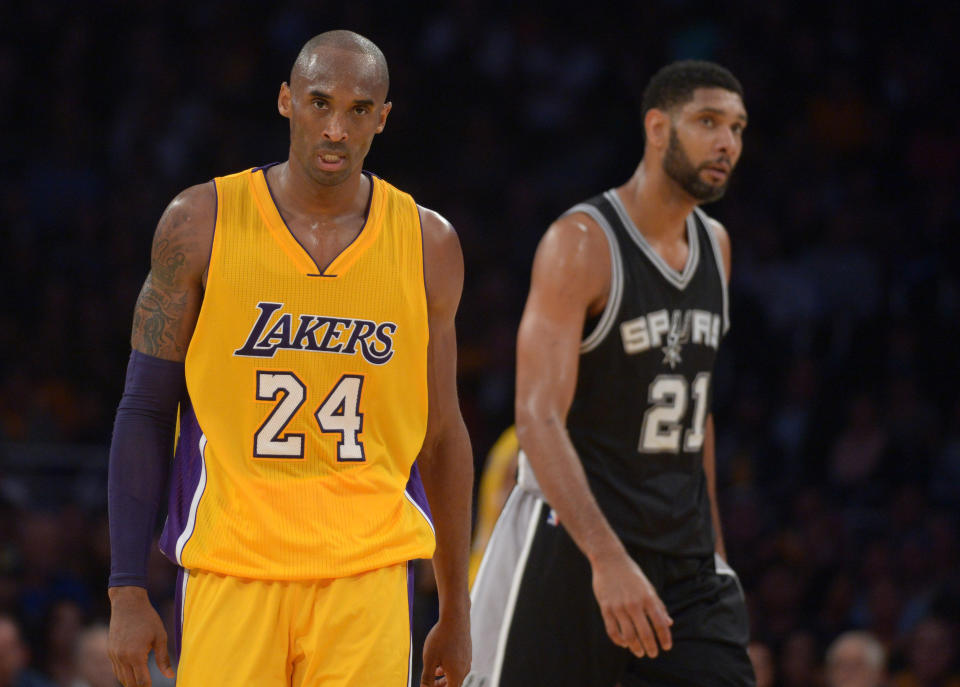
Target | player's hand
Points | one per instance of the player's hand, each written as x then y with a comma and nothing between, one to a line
447,651
135,629
633,613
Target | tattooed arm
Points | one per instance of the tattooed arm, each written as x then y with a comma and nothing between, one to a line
163,322
169,303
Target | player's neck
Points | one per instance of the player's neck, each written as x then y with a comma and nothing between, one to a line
293,189
657,206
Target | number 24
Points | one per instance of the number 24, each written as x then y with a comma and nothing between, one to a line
338,413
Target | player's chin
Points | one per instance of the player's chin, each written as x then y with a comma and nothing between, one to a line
709,191
326,177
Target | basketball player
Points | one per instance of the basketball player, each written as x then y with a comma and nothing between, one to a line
302,316
602,568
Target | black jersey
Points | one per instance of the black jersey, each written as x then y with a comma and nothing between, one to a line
644,385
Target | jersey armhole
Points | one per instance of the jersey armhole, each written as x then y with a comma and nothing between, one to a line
612,308
213,268
718,256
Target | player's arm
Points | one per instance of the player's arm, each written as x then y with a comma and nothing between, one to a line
446,460
571,277
709,439
163,322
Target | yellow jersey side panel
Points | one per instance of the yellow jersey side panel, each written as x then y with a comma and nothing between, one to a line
308,398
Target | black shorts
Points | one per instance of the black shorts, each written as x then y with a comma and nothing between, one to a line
535,620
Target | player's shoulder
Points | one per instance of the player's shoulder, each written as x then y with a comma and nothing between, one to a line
575,235
720,236
197,198
442,260
716,228
186,226
436,227
573,261
440,241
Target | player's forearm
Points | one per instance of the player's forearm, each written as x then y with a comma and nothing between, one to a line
139,462
447,472
555,463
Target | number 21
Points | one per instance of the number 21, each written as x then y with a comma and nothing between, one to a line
338,413
661,430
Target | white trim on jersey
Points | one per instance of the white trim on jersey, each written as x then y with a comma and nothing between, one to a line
677,279
410,661
722,567
612,308
422,512
183,604
514,592
706,219
194,504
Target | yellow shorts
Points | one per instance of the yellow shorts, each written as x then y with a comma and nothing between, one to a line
339,632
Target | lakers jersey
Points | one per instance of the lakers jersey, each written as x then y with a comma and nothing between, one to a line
307,398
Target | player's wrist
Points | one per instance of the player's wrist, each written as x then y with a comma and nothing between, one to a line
126,593
457,605
605,551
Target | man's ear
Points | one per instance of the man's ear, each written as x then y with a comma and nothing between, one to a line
283,100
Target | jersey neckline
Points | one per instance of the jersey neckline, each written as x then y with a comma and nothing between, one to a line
285,237
679,280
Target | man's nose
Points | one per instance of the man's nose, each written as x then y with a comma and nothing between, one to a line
335,129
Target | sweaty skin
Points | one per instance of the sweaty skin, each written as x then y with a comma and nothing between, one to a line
571,280
336,105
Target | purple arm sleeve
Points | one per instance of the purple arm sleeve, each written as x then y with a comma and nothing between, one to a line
140,456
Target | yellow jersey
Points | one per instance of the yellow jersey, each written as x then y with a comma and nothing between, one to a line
307,398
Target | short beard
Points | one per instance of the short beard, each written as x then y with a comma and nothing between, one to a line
678,167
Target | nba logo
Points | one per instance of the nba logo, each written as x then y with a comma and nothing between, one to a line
552,518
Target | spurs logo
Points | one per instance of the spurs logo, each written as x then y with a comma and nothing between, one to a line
669,331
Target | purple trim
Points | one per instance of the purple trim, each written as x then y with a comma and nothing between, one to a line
410,593
417,492
423,257
366,210
177,643
264,167
366,221
213,234
411,567
184,480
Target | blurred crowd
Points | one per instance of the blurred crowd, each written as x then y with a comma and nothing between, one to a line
837,403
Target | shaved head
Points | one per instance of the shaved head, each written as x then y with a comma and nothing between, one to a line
315,49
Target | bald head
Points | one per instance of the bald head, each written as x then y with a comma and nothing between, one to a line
856,659
318,49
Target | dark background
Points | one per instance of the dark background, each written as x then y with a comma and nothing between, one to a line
837,402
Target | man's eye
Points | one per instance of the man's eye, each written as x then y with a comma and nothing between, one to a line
360,110
706,121
319,104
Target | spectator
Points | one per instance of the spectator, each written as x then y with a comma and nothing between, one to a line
930,656
94,668
799,665
64,621
856,659
14,658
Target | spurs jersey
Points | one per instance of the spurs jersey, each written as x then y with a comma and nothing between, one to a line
307,398
644,385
